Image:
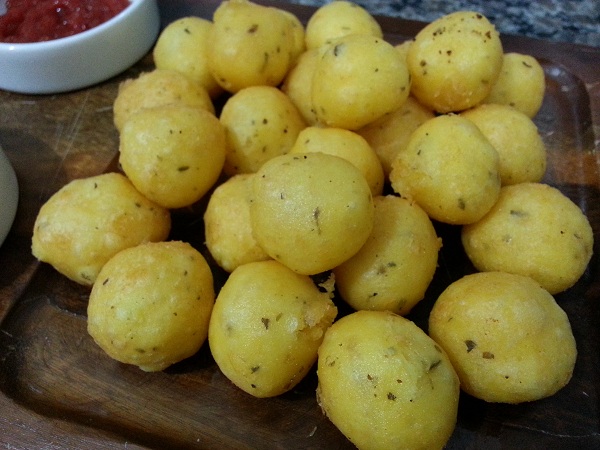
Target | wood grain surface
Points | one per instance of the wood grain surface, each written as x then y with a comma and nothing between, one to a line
58,391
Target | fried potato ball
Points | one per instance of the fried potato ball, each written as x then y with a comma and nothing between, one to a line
389,134
227,227
297,84
450,169
260,122
533,230
403,47
345,144
266,327
298,34
89,220
358,79
173,154
394,268
250,45
158,88
183,46
338,19
385,384
515,137
506,336
454,61
151,305
521,84
310,211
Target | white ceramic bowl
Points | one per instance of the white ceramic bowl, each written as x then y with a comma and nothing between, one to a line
83,59
9,195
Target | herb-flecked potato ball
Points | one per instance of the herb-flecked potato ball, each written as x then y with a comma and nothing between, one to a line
506,336
172,154
338,19
297,84
450,169
183,46
389,134
89,220
151,305
385,384
357,80
298,35
310,211
227,227
403,47
454,61
515,137
250,45
260,122
266,327
394,268
521,84
158,88
533,230
345,144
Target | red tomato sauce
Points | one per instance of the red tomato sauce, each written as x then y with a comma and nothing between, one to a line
44,20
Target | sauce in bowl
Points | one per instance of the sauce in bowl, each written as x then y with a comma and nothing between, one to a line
45,20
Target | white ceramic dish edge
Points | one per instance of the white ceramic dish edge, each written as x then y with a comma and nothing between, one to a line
84,59
9,195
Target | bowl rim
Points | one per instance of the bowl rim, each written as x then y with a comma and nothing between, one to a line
77,37
11,195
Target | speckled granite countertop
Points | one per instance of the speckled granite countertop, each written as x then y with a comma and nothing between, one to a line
575,21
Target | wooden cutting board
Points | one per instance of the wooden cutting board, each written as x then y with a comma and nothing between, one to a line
57,389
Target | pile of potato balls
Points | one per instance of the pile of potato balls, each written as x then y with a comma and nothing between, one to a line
332,156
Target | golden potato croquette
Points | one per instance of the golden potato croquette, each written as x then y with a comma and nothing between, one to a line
89,220
386,384
347,145
260,122
183,46
521,150
389,134
533,230
173,154
227,227
151,305
298,35
310,211
450,169
266,327
357,80
157,88
521,84
297,84
506,336
394,268
338,19
251,45
454,61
